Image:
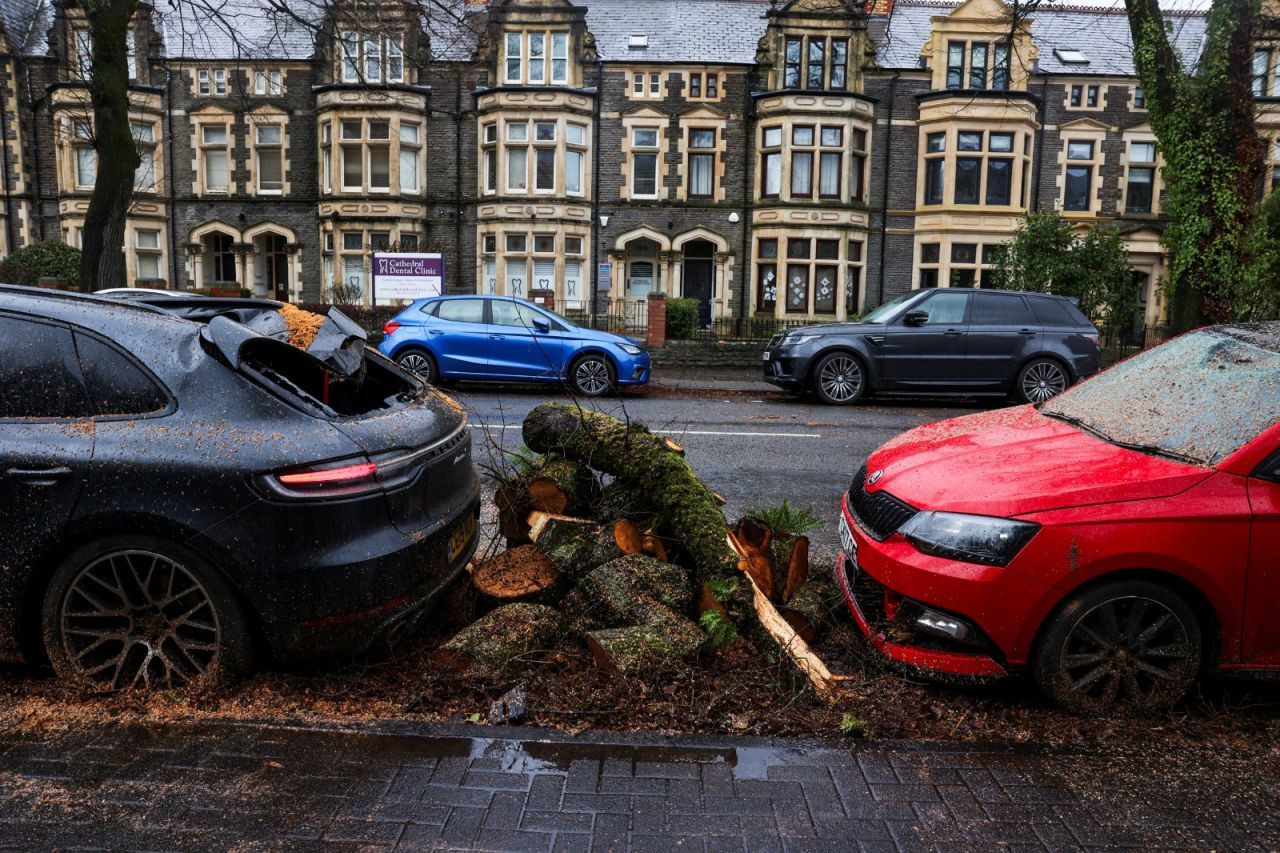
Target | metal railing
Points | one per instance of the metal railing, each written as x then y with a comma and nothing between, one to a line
1122,343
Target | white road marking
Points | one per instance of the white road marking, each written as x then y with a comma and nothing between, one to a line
694,432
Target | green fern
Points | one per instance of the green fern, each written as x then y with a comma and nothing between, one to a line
852,724
719,628
787,520
723,589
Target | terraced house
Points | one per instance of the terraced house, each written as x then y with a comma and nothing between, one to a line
801,160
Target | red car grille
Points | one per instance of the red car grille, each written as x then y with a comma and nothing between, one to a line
879,513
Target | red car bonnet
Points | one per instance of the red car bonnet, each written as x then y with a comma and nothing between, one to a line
1015,461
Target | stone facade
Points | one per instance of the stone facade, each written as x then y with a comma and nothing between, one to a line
792,161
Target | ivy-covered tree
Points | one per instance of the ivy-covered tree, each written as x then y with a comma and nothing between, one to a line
1260,296
1202,112
1047,256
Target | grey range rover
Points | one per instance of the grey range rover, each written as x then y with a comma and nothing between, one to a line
1030,346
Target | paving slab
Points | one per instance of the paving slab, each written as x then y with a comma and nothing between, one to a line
412,787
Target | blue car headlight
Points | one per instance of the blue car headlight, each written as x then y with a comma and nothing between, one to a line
630,349
970,538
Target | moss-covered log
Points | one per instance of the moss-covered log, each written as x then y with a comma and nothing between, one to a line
575,546
496,643
643,649
623,592
687,510
561,486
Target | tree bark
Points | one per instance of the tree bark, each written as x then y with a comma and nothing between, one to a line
687,509
574,546
497,642
102,264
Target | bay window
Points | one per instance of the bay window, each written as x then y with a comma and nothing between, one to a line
935,167
771,162
574,158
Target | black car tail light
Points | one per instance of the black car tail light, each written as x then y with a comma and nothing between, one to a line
332,480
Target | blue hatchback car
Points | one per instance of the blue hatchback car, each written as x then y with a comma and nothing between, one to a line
507,339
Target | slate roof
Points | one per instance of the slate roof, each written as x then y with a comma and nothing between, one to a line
1101,34
715,31
27,24
236,29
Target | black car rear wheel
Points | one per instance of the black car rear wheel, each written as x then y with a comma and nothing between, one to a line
592,376
420,363
838,379
1041,379
138,612
1130,643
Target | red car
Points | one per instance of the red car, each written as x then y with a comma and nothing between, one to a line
1115,541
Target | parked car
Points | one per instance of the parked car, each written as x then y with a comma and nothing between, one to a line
953,340
181,498
508,339
143,293
1114,542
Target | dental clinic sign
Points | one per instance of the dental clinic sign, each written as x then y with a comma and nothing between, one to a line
407,276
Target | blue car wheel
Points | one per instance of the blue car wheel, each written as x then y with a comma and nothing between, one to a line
420,363
592,376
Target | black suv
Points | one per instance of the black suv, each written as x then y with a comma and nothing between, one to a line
953,340
180,497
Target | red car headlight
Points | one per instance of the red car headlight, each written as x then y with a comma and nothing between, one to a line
970,538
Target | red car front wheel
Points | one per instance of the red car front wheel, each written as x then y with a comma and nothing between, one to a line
1128,643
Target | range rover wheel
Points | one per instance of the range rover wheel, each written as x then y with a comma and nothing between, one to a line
1039,380
139,612
1129,644
838,379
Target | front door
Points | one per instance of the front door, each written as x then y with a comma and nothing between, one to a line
459,337
46,444
517,348
699,282
1003,333
932,354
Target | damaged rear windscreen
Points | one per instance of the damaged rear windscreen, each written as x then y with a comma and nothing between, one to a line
1199,397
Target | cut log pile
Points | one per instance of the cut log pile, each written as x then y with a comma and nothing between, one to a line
630,568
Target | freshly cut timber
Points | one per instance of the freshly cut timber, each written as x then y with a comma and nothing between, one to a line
518,573
797,567
498,642
512,501
628,535
574,546
561,486
673,445
752,539
686,509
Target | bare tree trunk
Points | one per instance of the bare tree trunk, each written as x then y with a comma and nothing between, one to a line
102,265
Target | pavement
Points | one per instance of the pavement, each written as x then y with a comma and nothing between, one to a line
414,787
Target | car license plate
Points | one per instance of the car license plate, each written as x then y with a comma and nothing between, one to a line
461,537
847,542
765,356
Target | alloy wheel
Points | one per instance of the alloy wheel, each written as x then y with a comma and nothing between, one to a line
1131,650
419,365
591,376
840,379
139,619
1043,380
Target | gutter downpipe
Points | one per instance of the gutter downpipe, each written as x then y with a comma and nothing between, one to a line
38,205
457,177
1038,159
594,272
4,149
884,190
748,174
168,179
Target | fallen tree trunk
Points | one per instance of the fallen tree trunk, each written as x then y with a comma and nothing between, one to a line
687,510
624,592
562,486
643,649
496,643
